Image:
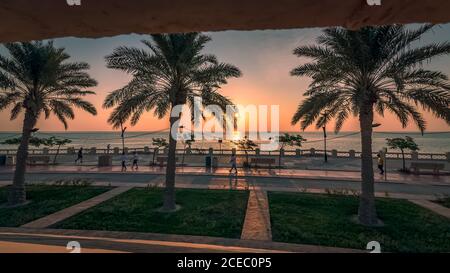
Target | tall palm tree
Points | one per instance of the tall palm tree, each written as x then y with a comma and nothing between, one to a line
38,79
172,71
370,71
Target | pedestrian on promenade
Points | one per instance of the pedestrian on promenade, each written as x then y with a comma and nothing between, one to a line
233,163
135,161
380,162
123,158
79,156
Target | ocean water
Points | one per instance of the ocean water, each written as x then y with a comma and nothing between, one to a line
433,142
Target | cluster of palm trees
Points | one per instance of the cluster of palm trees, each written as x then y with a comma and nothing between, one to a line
354,73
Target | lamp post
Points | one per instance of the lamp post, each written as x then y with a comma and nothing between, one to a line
325,156
122,135
220,144
325,143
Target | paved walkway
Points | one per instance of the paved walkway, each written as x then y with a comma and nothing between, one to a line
12,247
257,218
287,173
436,208
61,215
154,243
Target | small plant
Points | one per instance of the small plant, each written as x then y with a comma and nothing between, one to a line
355,193
403,144
78,182
247,145
289,140
159,143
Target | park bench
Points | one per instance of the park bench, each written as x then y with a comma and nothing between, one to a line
163,159
435,167
262,160
38,159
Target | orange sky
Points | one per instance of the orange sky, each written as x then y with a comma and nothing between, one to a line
265,58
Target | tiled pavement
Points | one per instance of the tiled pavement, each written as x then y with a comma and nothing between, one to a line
61,215
257,218
285,173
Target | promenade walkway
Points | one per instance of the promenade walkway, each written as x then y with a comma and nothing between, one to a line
285,173
111,241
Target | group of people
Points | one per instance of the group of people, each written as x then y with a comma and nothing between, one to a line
233,161
123,159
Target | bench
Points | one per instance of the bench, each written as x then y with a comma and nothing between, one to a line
163,159
34,160
435,167
263,160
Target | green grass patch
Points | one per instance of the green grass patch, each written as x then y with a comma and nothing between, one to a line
45,200
203,212
327,220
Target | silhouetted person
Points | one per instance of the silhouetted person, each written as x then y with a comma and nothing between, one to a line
123,158
380,162
79,156
135,161
233,163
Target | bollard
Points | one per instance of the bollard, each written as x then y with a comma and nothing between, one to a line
352,154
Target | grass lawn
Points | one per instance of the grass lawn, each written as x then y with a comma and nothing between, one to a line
203,212
327,220
45,200
444,202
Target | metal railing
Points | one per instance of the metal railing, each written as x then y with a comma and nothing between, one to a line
257,152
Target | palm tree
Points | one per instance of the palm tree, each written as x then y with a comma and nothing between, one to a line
370,71
37,79
172,72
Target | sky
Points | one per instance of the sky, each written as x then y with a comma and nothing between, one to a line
264,57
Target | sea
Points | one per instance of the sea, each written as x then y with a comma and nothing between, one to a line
432,142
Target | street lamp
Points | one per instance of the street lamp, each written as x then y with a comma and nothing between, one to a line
325,136
325,143
122,135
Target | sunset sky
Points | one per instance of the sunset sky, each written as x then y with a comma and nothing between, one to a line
264,57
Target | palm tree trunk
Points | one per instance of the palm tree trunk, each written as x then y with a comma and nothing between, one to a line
169,193
17,194
403,160
56,155
367,212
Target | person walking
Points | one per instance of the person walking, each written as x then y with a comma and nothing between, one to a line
135,165
233,163
380,162
79,156
123,158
